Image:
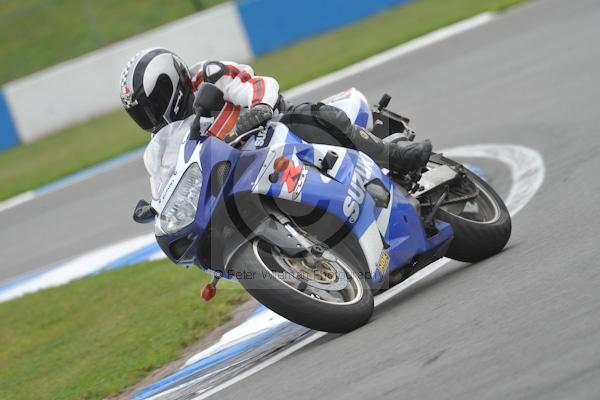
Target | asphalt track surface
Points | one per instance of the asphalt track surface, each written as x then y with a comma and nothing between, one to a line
523,324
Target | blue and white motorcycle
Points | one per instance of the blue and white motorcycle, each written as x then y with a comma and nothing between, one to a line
312,231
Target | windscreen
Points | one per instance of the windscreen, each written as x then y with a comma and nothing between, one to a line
160,157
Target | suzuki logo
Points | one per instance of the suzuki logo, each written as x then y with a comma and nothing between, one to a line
356,192
260,138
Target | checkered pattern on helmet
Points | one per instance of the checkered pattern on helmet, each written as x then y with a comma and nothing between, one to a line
127,91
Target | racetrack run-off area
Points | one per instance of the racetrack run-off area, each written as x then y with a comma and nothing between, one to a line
523,324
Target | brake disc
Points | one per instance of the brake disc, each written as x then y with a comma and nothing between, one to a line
327,274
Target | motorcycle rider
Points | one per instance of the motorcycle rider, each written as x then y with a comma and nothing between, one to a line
157,88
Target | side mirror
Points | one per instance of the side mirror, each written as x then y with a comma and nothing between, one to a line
144,213
209,102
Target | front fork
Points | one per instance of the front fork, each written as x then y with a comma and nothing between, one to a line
281,233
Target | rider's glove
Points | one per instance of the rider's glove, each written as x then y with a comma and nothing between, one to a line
255,117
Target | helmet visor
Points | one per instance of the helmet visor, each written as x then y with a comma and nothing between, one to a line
140,116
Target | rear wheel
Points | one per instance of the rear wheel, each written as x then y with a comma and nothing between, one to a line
482,225
328,294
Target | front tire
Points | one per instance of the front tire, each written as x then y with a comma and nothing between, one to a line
259,274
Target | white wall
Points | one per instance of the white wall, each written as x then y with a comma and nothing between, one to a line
89,85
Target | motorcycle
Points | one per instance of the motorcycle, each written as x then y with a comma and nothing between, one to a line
312,231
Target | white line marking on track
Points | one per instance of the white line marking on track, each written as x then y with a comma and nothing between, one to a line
531,172
17,200
527,172
75,268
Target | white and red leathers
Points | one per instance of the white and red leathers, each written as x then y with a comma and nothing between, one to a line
241,89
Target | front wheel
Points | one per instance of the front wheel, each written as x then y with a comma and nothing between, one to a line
482,226
329,294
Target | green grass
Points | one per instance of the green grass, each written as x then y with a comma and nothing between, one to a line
29,166
99,335
46,32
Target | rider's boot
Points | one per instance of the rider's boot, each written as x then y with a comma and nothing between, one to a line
401,159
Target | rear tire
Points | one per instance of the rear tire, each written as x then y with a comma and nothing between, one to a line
297,306
473,240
